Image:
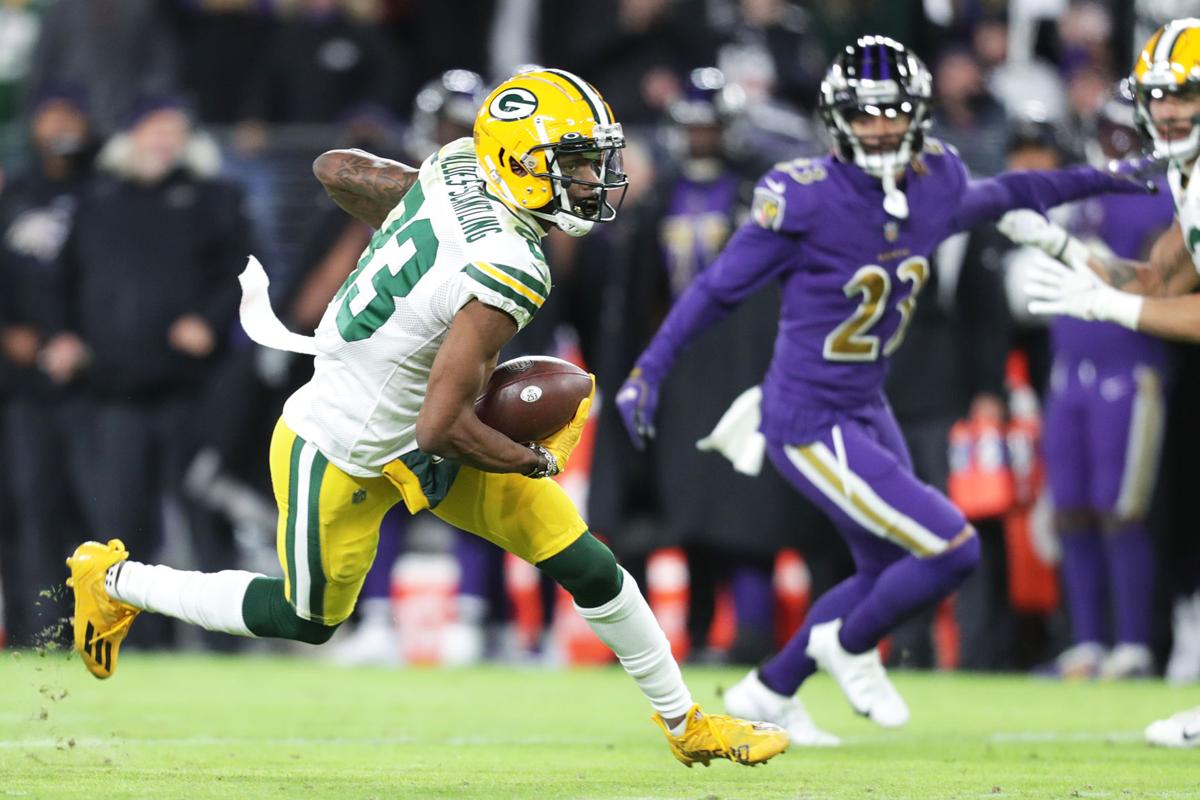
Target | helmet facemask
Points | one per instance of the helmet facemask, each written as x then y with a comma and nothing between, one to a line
878,77
884,157
1180,150
603,150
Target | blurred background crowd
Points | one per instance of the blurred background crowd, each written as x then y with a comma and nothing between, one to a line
147,147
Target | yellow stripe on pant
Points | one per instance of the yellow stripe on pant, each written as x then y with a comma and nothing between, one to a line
532,519
328,527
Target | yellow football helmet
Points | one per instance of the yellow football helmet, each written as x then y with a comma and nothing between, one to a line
522,128
1169,64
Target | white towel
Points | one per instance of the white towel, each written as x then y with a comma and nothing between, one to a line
258,318
736,436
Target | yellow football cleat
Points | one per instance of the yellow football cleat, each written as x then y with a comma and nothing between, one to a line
100,621
710,736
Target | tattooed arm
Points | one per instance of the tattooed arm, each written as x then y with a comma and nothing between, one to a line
1168,273
365,186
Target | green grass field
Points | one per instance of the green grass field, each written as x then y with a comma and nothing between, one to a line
267,727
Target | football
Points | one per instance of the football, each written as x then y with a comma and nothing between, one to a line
531,397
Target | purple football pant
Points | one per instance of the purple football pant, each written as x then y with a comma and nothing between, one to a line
898,529
1104,428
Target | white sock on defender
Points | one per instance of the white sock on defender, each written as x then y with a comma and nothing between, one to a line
629,628
212,600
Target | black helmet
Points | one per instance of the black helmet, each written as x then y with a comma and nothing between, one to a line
876,76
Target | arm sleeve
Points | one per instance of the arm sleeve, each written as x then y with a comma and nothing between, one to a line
753,256
991,198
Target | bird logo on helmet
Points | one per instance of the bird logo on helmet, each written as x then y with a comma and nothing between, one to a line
524,128
1169,66
877,76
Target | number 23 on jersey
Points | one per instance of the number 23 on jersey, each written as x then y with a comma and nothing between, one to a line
852,340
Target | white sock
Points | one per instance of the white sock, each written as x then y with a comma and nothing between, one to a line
212,600
629,628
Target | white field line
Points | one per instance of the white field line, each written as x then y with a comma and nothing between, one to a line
1040,737
1002,737
291,741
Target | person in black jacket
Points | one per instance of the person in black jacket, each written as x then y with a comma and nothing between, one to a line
151,265
40,419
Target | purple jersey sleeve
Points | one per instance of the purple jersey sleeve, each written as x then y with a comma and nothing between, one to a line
780,200
754,255
991,198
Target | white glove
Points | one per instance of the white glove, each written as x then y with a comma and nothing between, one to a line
1027,227
1057,289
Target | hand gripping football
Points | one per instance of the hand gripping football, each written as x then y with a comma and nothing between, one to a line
529,398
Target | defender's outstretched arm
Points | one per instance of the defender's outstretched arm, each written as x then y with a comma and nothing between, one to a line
363,185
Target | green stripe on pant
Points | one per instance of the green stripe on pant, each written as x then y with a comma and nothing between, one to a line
316,573
290,535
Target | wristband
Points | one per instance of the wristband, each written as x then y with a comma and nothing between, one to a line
1120,307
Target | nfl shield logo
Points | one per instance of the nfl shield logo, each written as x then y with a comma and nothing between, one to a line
891,230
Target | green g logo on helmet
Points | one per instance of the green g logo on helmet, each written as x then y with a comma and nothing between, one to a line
516,103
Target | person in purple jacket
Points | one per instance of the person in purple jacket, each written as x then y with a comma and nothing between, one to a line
1103,430
848,237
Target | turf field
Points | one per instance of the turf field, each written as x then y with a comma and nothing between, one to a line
259,727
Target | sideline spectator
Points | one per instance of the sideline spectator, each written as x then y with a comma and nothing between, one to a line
45,423
151,268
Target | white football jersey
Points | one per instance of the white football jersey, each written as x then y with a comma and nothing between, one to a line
1187,206
446,243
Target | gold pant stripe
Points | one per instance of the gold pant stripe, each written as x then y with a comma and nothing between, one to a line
1144,443
862,505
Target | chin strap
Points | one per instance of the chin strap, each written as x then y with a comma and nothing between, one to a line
569,224
895,203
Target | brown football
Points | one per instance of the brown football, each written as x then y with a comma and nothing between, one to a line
531,397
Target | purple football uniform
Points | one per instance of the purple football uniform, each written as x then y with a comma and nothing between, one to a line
850,275
1104,426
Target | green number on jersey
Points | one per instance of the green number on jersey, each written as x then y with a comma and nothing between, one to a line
397,257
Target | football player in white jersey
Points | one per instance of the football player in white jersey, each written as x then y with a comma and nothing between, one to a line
454,270
1152,297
